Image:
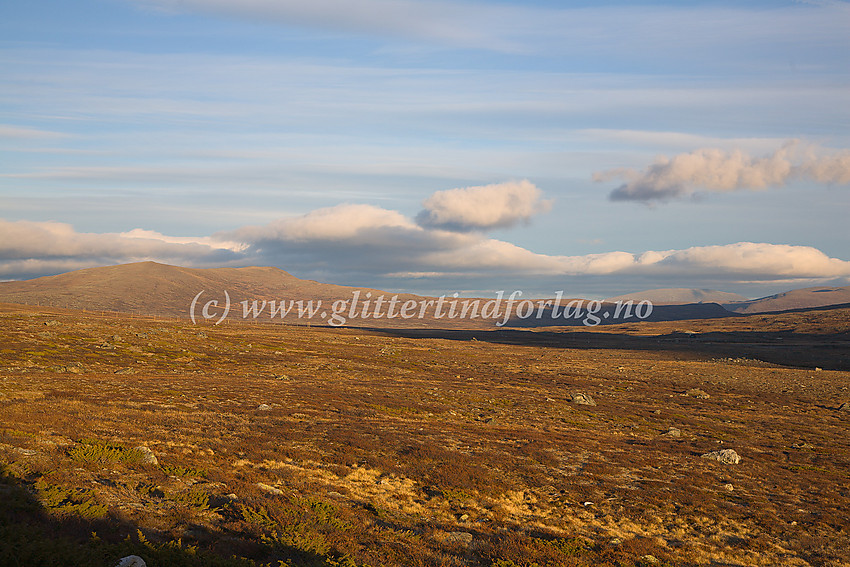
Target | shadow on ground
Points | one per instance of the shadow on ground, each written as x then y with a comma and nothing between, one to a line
786,348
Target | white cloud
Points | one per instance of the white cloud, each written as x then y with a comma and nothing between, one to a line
151,235
385,244
715,170
37,248
743,260
342,222
372,244
834,168
483,207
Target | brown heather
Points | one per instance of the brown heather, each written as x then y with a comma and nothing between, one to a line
406,447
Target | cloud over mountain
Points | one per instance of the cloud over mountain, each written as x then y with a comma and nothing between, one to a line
367,243
35,248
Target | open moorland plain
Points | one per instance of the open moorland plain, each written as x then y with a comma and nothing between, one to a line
260,444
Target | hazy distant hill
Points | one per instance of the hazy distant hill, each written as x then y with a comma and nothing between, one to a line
796,299
150,288
681,296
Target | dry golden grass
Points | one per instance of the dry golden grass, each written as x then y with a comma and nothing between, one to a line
419,448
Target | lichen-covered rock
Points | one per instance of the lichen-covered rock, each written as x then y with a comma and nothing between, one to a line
583,399
269,489
726,456
698,393
148,457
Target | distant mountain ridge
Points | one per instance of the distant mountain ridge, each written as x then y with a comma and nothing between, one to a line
805,298
150,288
680,296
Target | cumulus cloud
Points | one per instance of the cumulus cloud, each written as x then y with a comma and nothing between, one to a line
383,243
484,207
716,170
36,248
356,243
749,260
332,224
348,238
744,259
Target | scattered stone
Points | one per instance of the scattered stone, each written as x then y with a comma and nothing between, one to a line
462,538
25,452
674,432
728,486
264,407
697,393
651,559
657,412
725,456
615,542
131,561
802,445
582,399
818,369
231,496
269,489
148,457
464,517
127,370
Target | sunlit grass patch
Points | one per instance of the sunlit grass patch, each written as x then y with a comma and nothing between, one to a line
180,471
77,502
97,451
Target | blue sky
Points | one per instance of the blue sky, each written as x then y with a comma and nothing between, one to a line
596,148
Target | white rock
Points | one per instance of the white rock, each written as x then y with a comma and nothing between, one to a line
269,489
132,561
